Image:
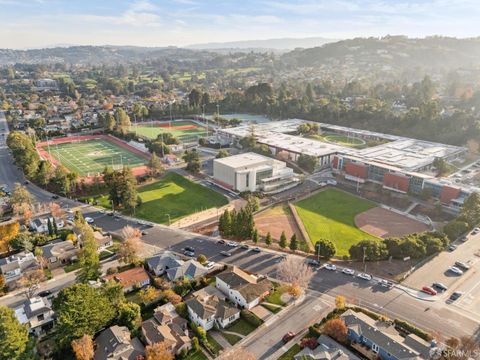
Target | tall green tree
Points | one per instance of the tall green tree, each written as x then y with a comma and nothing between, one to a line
122,119
129,315
293,243
325,248
193,161
268,239
283,240
81,310
255,236
155,165
89,258
13,335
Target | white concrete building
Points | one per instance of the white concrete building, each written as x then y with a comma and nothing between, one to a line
253,172
37,314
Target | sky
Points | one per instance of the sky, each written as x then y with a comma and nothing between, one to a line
46,23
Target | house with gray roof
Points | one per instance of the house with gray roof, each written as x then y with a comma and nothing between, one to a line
37,314
243,289
380,339
208,311
174,268
327,349
59,253
168,327
115,343
15,266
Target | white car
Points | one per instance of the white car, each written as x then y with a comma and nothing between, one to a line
89,220
348,271
365,276
385,283
329,266
232,244
455,270
209,265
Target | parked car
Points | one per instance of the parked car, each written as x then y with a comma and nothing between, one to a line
89,220
439,286
144,232
225,253
348,271
475,231
55,197
257,250
455,295
364,276
232,244
221,241
313,262
329,266
244,246
189,248
189,253
452,247
463,238
429,290
385,283
209,264
45,293
455,270
462,265
288,336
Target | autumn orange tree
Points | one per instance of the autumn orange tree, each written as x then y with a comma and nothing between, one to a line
336,329
127,252
158,351
7,233
83,348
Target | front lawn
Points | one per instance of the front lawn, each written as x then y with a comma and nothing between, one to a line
196,355
271,308
330,214
232,339
241,326
216,347
294,350
276,296
72,267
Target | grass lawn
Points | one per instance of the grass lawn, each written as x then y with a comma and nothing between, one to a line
216,347
241,326
232,339
294,350
176,196
330,214
276,296
72,267
196,355
152,131
271,308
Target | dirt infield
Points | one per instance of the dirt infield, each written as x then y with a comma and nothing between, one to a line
276,220
385,223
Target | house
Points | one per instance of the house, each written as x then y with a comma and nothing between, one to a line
327,349
40,225
380,339
131,279
13,267
160,263
208,311
37,314
175,268
243,289
115,343
103,241
168,327
58,253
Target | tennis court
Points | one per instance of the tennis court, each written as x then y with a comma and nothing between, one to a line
183,130
89,157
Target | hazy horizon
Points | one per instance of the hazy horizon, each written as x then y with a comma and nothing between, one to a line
159,23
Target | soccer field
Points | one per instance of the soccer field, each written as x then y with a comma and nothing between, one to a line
176,196
184,130
88,158
330,214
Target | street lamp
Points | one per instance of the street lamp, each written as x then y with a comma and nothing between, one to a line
364,263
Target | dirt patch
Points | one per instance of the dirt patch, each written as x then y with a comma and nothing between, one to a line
385,223
433,213
276,220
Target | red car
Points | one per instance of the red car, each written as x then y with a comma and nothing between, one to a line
429,290
288,336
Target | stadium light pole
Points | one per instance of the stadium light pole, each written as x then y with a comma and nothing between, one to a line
203,115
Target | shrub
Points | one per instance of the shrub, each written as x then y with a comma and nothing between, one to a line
310,342
112,270
336,329
181,309
251,318
409,328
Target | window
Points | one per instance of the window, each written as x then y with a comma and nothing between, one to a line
41,317
231,318
375,348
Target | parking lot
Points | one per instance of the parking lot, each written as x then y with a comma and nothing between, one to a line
436,270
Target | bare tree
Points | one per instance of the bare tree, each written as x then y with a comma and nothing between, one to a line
295,272
131,244
56,210
31,280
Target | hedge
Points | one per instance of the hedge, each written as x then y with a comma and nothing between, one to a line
251,318
409,328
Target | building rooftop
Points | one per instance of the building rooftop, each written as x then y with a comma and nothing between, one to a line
244,160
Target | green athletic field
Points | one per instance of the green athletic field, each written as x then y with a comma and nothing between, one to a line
330,214
176,196
152,131
88,158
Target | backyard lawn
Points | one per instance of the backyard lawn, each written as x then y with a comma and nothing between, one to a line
330,214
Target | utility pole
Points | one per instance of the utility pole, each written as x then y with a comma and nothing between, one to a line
364,263
318,248
203,115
